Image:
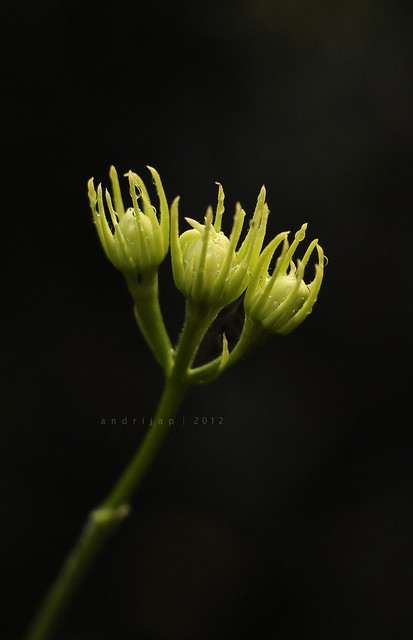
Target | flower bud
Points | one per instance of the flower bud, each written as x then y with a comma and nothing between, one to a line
135,241
218,246
208,269
282,301
281,291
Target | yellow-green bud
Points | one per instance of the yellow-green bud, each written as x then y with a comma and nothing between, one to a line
280,292
218,247
208,269
282,301
136,242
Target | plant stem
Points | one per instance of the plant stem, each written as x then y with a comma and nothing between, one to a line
250,337
106,518
149,317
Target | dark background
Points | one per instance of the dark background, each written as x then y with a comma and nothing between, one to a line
293,518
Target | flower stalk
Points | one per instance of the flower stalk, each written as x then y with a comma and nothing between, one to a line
106,518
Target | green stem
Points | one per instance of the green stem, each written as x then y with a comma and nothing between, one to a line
251,336
104,520
195,326
149,317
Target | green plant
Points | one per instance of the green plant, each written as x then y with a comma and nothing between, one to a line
211,270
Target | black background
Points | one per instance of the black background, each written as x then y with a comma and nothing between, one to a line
293,518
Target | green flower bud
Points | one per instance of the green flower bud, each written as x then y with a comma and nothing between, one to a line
279,303
280,292
208,269
135,241
217,248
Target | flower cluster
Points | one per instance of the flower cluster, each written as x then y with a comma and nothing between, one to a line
209,268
